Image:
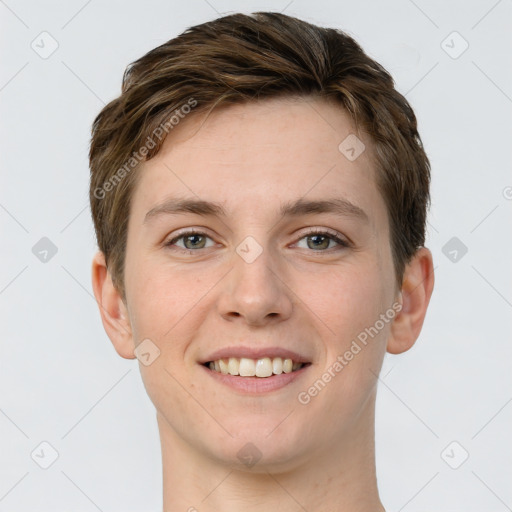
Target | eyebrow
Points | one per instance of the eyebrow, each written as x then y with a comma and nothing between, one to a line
296,208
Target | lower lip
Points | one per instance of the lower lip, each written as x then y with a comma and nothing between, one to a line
256,385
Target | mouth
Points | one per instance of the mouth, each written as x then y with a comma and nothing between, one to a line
263,367
255,371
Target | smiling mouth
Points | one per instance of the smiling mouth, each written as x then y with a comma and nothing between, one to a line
263,367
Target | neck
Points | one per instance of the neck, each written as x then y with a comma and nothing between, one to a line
342,478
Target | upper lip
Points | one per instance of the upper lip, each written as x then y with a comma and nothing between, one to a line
240,351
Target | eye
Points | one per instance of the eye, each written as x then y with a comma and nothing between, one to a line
321,240
191,240
316,240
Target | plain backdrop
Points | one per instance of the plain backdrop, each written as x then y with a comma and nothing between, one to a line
444,409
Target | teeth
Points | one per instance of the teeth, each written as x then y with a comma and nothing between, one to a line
233,366
245,367
224,367
277,365
264,367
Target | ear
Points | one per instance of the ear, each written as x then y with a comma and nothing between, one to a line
417,286
114,313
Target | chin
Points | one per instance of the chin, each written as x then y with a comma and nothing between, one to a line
262,445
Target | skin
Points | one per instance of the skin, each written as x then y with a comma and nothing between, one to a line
252,158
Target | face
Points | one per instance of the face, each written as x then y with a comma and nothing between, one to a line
261,268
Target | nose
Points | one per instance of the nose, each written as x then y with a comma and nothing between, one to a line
255,292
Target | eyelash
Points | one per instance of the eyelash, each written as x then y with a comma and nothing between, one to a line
332,235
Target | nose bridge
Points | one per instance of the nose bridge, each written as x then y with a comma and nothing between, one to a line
255,290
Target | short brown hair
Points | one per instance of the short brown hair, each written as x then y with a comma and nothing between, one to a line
241,58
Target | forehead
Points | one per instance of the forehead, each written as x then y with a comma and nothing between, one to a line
265,153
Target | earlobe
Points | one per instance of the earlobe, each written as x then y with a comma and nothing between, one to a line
417,287
114,314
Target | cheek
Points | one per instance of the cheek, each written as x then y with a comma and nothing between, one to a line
348,300
162,297
350,306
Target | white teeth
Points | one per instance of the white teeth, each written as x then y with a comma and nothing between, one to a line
245,367
233,366
287,366
224,368
277,365
264,367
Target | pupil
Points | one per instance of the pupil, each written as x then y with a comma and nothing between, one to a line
318,238
190,238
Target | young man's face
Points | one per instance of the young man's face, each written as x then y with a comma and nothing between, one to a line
258,284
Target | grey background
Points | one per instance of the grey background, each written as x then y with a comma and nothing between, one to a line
61,381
